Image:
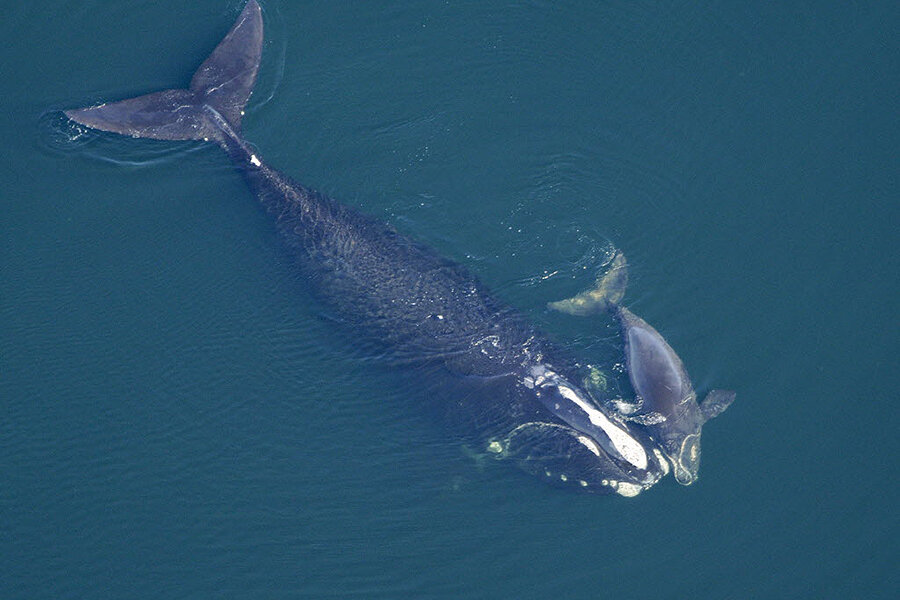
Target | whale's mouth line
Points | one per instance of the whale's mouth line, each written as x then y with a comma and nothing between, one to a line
619,483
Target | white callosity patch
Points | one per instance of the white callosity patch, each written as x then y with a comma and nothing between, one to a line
627,447
589,443
651,418
629,490
662,461
623,488
254,161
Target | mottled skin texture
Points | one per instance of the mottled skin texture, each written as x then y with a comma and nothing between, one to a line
500,381
391,288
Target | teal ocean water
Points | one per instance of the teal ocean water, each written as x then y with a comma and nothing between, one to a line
179,420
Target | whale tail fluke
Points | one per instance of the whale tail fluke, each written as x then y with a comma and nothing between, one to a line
223,83
606,295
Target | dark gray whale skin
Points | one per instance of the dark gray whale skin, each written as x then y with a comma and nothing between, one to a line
503,384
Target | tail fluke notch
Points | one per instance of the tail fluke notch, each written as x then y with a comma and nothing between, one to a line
225,79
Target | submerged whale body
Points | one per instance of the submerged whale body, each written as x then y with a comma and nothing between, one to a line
503,382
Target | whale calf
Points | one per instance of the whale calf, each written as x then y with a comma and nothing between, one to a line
501,382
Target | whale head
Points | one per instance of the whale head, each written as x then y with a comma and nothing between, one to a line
577,441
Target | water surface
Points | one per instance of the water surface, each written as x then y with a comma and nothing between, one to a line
179,420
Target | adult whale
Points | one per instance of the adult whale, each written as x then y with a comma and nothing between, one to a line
503,382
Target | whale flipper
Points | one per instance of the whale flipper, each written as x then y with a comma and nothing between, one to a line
608,292
223,83
715,403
